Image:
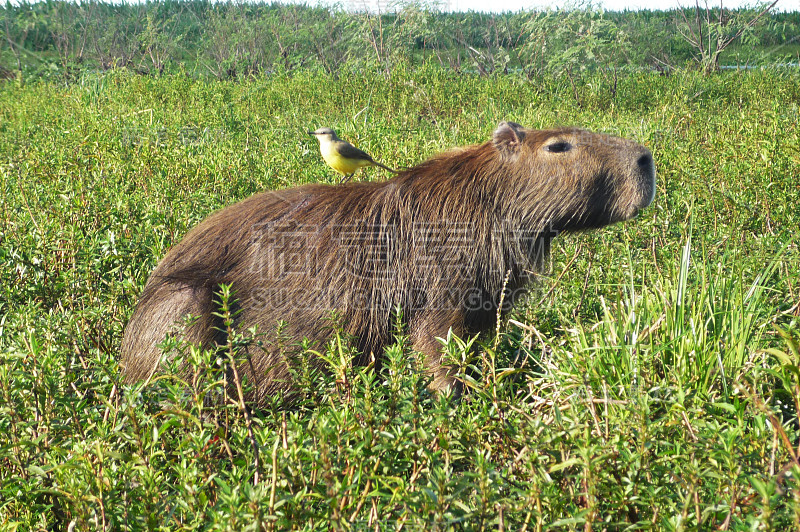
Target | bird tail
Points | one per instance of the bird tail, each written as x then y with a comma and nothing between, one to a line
376,163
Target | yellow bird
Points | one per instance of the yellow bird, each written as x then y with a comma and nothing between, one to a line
341,155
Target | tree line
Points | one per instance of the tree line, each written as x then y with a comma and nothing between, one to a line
231,40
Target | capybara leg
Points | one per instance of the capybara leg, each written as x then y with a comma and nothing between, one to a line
444,375
160,313
444,380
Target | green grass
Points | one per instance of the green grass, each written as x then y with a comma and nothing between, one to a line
650,382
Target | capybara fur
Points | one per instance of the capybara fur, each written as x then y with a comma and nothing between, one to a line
445,241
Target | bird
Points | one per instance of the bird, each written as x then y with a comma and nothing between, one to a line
341,155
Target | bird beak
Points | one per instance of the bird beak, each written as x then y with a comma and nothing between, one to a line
311,133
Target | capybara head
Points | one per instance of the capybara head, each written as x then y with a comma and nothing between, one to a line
592,180
446,241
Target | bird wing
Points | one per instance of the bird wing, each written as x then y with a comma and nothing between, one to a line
348,151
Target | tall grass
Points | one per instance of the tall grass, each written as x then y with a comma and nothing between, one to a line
232,40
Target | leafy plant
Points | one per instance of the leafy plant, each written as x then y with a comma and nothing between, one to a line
711,31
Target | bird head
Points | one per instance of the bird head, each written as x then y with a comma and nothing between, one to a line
324,134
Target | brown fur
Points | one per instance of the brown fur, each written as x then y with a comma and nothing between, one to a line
438,241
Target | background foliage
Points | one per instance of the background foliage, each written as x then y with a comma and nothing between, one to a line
233,39
650,382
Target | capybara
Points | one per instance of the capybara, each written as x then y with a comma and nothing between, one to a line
445,241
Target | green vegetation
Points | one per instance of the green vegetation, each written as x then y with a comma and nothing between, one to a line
233,40
650,382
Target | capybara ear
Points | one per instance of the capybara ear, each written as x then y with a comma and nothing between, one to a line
508,136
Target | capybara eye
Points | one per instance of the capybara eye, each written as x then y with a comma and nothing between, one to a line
558,147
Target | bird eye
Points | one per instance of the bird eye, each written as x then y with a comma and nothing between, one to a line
558,147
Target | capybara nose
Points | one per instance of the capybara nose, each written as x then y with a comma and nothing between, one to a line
647,169
645,162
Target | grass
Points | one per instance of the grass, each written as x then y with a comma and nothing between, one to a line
650,382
